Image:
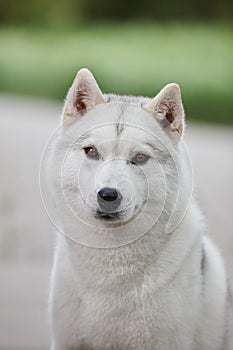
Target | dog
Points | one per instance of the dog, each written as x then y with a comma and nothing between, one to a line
133,267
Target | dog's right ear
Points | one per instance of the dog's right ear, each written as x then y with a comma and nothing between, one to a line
83,95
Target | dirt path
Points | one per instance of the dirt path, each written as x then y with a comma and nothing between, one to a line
26,238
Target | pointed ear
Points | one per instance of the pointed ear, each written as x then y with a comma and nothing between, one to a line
83,95
168,109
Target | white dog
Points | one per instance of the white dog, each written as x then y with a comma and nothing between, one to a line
132,267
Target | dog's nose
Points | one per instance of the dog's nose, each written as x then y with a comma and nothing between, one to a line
109,198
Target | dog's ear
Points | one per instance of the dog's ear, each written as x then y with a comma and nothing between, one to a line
82,95
168,109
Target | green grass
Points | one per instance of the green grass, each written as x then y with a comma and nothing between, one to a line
126,59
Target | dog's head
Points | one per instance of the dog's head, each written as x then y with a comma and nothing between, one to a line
121,153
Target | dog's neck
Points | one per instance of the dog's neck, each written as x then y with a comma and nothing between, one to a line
165,252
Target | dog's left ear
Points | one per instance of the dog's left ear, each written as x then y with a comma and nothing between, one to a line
168,109
83,94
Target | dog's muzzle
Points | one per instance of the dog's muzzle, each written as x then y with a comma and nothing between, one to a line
109,199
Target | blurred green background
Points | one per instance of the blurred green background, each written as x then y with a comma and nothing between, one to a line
131,47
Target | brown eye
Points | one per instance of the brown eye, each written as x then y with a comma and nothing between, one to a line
140,158
91,152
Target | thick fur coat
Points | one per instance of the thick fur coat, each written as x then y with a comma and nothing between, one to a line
143,274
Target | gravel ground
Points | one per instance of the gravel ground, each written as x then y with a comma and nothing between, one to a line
26,239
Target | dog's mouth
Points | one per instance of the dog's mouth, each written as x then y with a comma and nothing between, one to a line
119,216
107,216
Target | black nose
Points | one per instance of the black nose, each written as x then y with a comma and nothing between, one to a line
109,198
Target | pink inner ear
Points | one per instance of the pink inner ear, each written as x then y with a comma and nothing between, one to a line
170,116
79,101
170,107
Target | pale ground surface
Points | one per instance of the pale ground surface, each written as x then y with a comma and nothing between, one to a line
26,235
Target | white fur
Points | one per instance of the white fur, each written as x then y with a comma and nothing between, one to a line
115,288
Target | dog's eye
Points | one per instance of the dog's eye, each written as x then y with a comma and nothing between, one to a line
91,152
140,159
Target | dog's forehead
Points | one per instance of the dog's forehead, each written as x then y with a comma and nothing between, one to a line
118,131
122,121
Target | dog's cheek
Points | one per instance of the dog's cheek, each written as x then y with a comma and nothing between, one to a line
139,193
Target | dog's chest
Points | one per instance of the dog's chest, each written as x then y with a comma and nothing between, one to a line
123,307
134,318
121,319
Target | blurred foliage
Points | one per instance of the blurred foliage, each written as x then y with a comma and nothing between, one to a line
159,10
48,12
43,12
133,58
43,43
